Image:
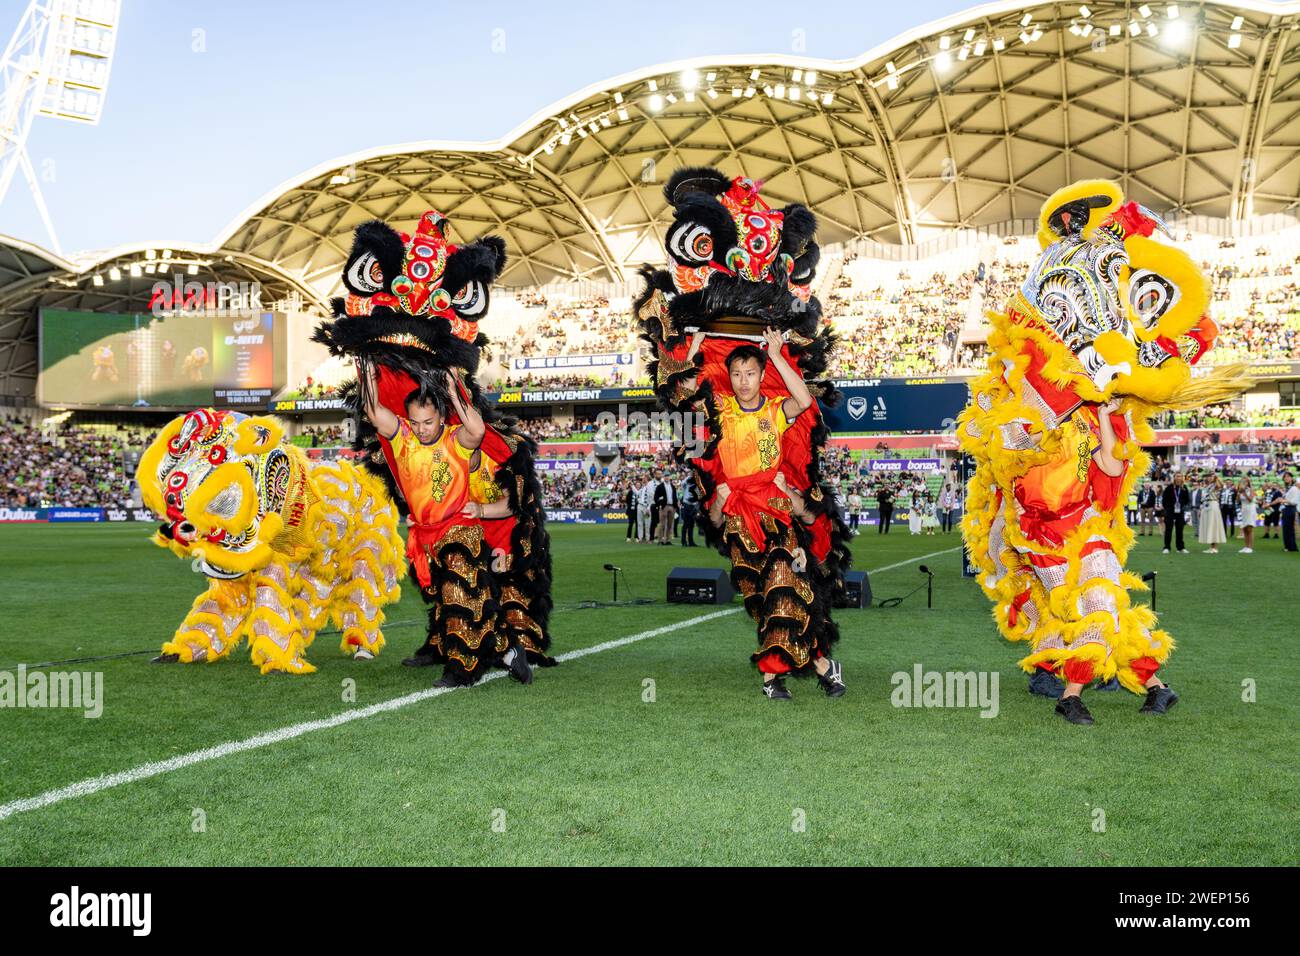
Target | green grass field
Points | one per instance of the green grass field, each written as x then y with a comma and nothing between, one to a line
582,770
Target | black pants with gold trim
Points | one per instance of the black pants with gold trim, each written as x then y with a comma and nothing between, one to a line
463,599
775,580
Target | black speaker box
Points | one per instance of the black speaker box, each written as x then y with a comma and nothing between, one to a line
857,590
699,586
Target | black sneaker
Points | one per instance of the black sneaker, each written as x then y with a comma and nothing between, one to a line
833,680
774,689
519,667
446,680
1159,700
1072,709
1112,684
1045,684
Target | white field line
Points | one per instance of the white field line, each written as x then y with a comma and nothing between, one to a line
84,788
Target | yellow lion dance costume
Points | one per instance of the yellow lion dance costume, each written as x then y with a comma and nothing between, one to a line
287,542
1108,322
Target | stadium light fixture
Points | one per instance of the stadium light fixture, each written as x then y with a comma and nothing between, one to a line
810,77
892,82
968,35
654,85
690,79
151,253
795,92
670,97
753,74
1024,37
567,138
167,254
98,280
944,42
999,44
115,274
1085,12
193,269
889,67
690,96
780,91
1086,30
1036,35
622,114
767,91
713,94
1134,28
979,48
1026,19
711,77
582,132
593,127
149,267
828,99
749,92
618,97
963,53
735,92
943,61
1234,41
1237,22
797,76
550,148
1114,29
1145,11
1171,11
1152,29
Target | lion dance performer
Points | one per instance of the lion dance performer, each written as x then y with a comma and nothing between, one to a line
740,278
1101,335
410,319
287,543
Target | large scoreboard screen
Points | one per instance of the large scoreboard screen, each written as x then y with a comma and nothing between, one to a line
181,361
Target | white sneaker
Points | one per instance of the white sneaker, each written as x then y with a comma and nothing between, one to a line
1165,551
362,654
1183,551
1247,550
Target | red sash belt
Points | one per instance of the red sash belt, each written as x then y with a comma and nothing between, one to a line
1044,526
749,500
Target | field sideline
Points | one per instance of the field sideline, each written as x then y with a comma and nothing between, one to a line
579,768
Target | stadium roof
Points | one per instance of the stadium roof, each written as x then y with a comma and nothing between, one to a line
971,120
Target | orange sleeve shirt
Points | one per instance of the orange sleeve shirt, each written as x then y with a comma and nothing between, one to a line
483,486
751,440
434,477
1062,484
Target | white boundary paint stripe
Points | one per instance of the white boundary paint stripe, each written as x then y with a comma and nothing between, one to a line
85,788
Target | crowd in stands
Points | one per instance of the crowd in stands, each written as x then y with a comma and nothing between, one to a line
63,466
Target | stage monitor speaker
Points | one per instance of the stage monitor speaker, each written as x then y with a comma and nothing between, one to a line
699,586
857,590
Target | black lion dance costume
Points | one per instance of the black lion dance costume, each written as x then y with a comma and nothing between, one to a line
476,539
740,273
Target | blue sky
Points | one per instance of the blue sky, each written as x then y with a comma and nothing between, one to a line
191,136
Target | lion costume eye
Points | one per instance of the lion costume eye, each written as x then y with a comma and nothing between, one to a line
365,274
691,243
1150,296
471,301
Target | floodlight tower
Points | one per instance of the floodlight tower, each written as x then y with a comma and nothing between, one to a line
56,64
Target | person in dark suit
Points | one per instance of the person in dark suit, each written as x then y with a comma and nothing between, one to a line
629,504
1176,501
885,504
1147,507
665,508
688,511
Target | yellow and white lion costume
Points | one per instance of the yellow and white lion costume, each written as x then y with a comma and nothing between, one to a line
1109,314
287,543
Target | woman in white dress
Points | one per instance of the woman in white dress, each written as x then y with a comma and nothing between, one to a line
1247,512
1210,528
914,507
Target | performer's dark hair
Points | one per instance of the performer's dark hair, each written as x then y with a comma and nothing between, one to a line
743,352
421,396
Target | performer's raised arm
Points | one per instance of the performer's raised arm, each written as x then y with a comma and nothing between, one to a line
472,430
1106,459
800,398
385,422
